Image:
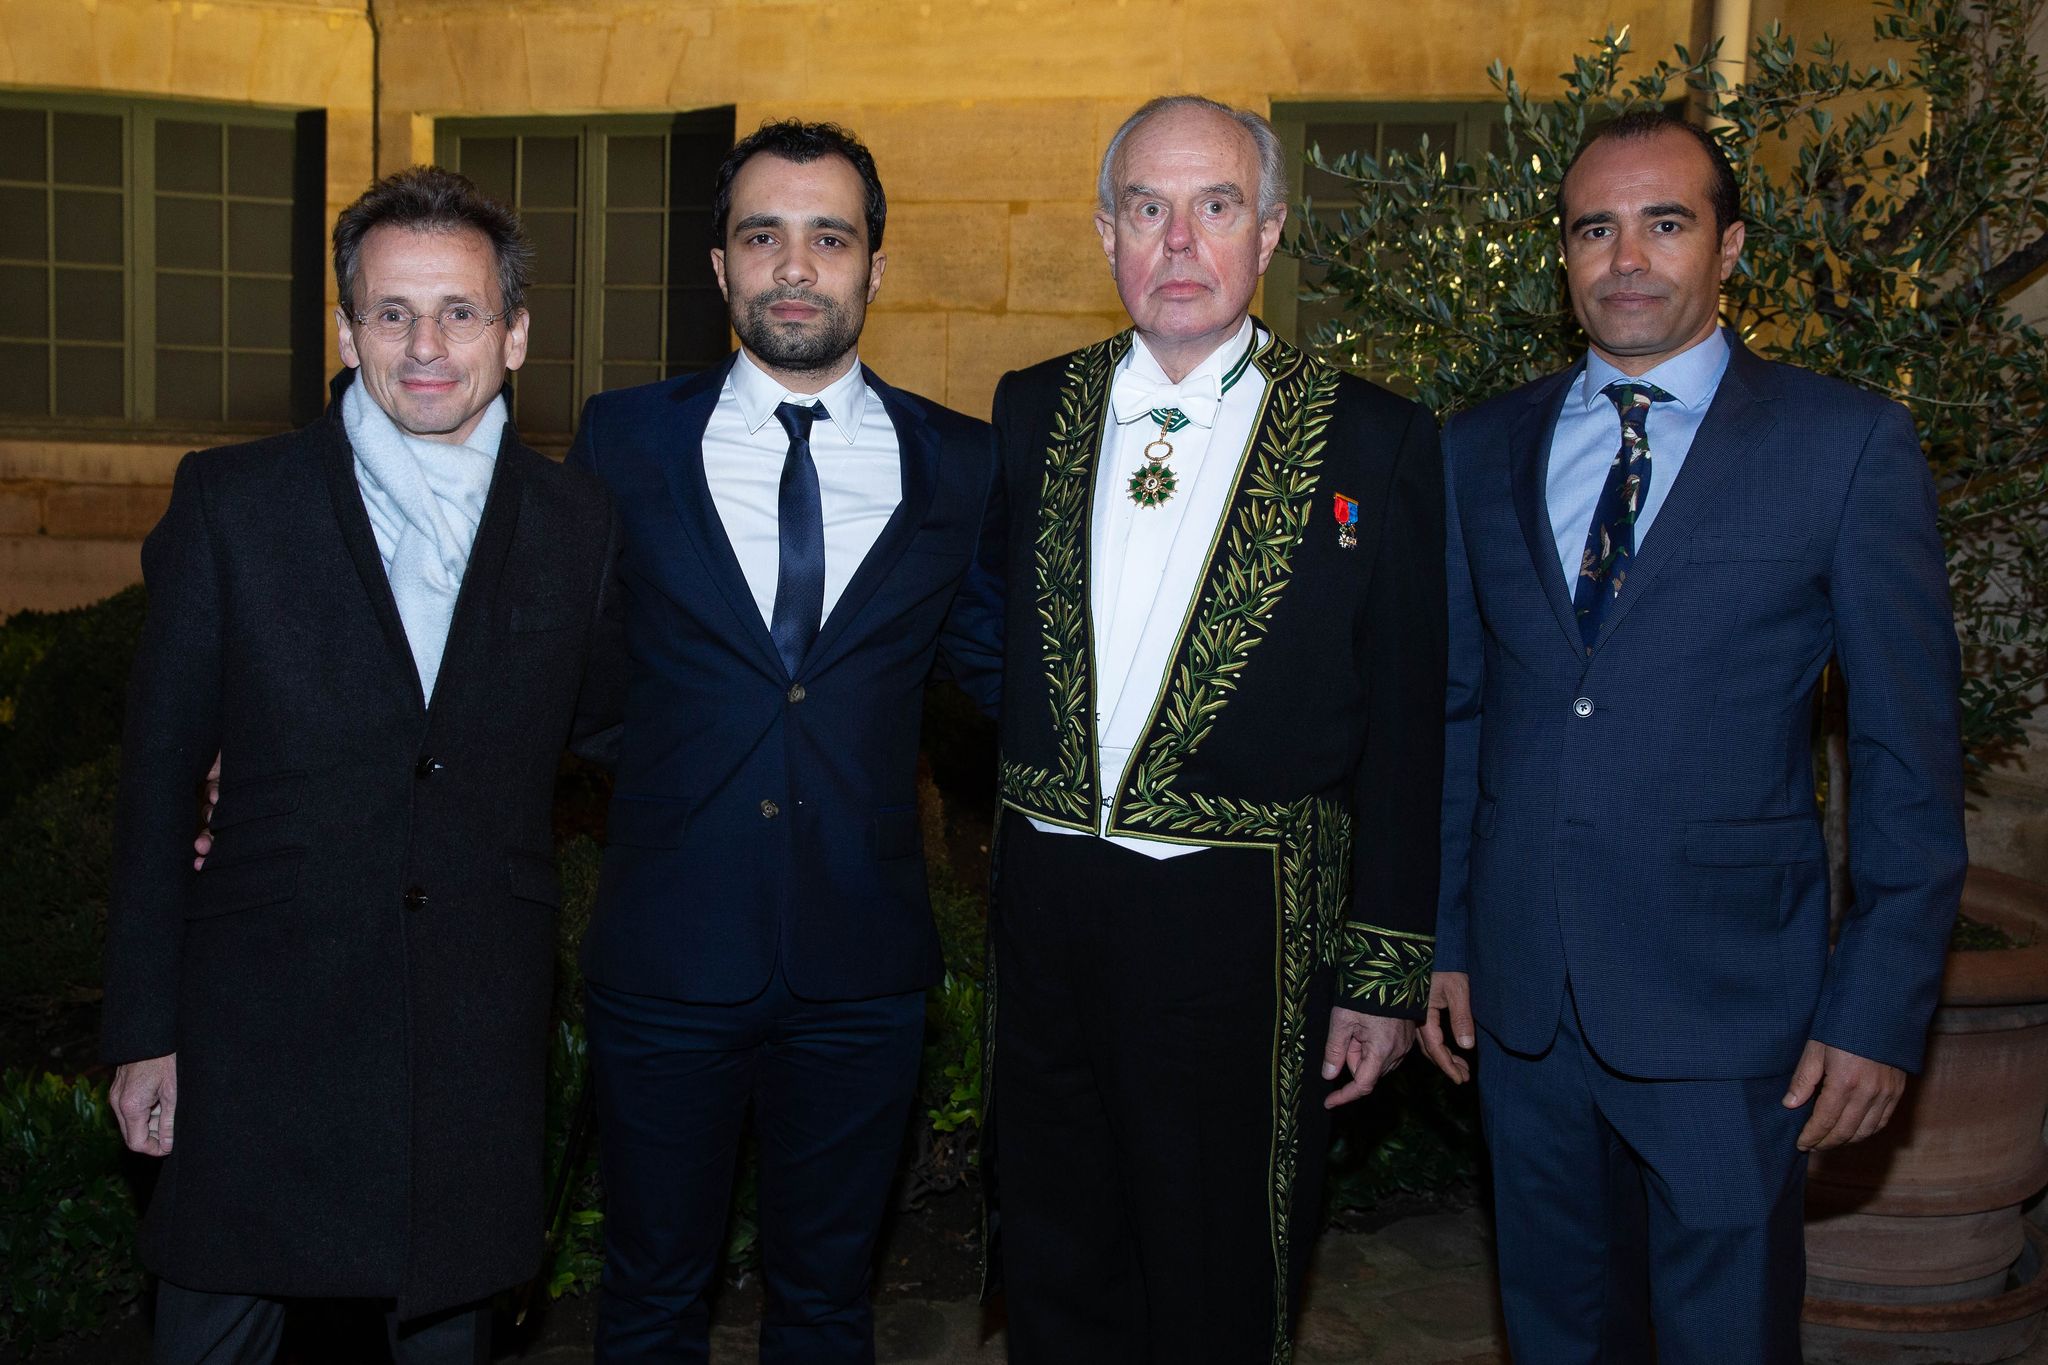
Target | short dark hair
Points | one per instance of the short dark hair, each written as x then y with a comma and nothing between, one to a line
433,199
795,140
1722,191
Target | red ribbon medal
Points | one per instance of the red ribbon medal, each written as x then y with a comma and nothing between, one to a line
1347,520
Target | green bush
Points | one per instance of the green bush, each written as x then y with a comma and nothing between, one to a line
72,690
67,1224
1417,1137
56,861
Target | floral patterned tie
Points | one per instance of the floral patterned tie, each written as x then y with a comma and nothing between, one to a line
1611,540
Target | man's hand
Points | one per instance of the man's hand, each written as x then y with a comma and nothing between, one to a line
145,1099
203,845
1857,1096
1449,992
1369,1044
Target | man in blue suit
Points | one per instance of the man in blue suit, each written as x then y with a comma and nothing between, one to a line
1653,556
797,538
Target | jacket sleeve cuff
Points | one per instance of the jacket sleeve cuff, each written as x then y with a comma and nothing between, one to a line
1384,971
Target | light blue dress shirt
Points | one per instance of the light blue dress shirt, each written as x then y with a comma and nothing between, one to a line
1588,434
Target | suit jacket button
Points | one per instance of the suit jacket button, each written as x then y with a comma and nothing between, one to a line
769,810
415,899
428,766
797,693
1583,707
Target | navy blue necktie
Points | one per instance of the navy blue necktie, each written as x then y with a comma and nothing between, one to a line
800,528
1611,539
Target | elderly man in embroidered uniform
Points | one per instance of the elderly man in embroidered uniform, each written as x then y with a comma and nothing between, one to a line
387,625
1221,766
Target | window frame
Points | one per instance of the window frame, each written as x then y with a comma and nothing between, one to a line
592,132
1474,120
139,116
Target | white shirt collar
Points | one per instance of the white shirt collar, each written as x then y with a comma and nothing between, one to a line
1691,376
758,394
1142,365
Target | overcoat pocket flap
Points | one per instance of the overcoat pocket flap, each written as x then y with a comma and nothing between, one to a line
1753,843
1710,548
254,798
223,889
638,822
534,879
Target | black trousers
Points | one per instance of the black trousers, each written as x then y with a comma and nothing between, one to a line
830,1083
1156,1203
195,1327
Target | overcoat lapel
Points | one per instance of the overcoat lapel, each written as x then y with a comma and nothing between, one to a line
339,461
683,468
918,452
469,628
1737,420
1529,470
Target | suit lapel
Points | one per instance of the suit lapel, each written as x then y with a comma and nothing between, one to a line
918,452
682,467
1738,418
354,520
1529,473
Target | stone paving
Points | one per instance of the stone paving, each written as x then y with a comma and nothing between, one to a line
1416,1292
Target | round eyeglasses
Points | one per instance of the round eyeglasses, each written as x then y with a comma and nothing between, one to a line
458,322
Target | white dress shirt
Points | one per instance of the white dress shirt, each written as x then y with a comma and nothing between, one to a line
860,474
1146,563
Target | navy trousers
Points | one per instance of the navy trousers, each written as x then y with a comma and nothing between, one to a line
830,1084
1602,1181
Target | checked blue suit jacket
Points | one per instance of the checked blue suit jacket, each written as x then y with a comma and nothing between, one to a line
1642,819
758,815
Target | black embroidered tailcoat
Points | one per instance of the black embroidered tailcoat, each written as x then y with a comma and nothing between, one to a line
1301,713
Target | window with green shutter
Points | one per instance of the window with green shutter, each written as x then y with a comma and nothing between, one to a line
619,210
161,264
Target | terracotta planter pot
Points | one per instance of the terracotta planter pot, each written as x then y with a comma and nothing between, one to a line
1915,1247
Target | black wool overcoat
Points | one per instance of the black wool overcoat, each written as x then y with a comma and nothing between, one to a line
357,984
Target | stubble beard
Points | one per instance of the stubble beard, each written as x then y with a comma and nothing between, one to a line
802,348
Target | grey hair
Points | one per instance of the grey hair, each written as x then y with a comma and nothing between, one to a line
1272,159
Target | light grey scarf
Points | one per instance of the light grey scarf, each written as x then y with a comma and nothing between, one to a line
425,499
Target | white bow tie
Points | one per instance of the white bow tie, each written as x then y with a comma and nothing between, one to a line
1135,395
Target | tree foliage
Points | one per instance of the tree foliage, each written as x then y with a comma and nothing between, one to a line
1895,210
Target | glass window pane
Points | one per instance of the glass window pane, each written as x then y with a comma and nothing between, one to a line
554,247
24,235
632,248
89,227
88,307
188,233
632,324
260,238
88,153
544,400
549,178
488,162
24,380
626,376
188,384
551,328
260,161
90,382
259,388
21,144
24,301
633,172
260,313
188,156
188,310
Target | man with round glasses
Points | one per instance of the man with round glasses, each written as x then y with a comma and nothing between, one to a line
387,626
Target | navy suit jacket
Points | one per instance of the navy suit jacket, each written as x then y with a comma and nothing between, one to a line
1642,818
758,815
